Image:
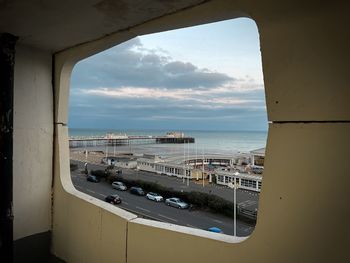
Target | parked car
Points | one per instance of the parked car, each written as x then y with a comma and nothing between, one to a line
113,199
176,202
119,186
137,191
257,169
154,197
92,178
215,229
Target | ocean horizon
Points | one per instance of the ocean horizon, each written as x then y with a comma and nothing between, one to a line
213,142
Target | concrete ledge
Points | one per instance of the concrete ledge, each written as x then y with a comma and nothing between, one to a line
189,230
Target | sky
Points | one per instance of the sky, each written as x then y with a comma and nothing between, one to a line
206,77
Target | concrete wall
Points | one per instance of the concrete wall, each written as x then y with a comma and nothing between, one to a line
304,200
33,141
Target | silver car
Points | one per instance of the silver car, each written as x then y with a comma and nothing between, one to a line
176,202
119,186
154,197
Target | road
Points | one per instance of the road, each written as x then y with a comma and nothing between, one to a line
159,211
177,184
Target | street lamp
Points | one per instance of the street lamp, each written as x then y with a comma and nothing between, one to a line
234,203
184,164
86,152
188,164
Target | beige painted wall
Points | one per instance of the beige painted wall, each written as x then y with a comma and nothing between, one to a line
33,140
302,213
85,229
304,199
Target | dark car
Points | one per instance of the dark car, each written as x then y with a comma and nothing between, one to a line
137,191
113,199
92,178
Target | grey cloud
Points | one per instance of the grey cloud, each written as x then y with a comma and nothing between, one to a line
130,64
152,59
178,67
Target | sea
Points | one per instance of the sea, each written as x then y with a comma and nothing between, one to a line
206,142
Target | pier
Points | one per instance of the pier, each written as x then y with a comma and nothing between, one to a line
111,140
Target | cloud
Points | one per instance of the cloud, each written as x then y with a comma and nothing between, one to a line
131,64
178,67
136,87
203,96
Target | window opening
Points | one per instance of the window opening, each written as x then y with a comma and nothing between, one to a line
174,120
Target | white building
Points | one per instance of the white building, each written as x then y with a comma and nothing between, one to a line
225,176
155,164
147,162
189,166
258,157
120,162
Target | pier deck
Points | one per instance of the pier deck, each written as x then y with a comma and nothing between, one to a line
125,140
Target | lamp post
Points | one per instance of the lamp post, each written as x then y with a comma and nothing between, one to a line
203,166
86,152
195,166
234,204
188,165
183,178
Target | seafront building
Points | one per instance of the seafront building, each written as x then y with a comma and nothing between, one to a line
248,181
129,162
258,157
219,169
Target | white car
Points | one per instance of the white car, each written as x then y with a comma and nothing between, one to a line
154,197
119,186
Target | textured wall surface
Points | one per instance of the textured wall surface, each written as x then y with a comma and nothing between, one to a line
33,142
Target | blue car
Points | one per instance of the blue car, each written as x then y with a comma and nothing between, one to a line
215,230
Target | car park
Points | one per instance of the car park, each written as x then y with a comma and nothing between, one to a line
137,191
176,202
92,178
154,197
113,199
119,186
